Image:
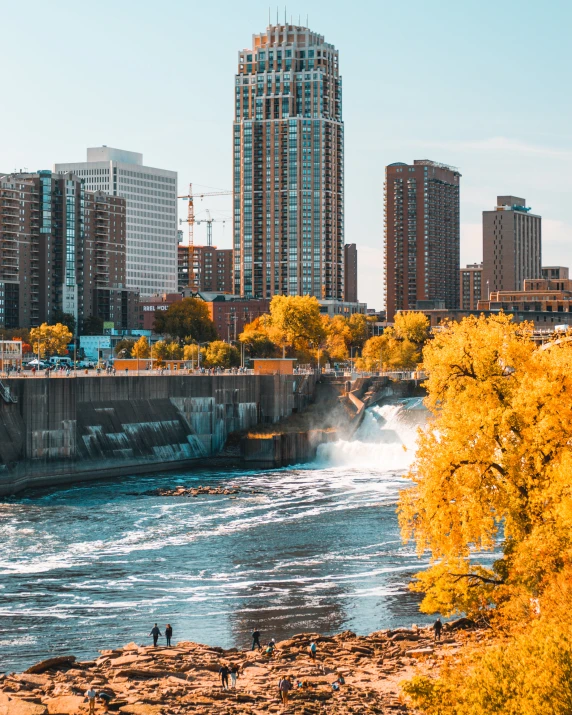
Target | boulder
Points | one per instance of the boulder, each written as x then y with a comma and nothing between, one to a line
65,704
142,709
14,706
44,665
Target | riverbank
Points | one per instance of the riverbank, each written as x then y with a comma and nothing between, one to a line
142,680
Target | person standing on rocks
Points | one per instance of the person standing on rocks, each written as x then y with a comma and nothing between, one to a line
168,633
313,649
234,670
285,686
256,639
91,694
437,628
223,672
155,632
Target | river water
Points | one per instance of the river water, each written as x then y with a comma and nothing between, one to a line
315,548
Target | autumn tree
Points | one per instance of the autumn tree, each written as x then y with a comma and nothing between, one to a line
412,326
256,337
221,354
163,350
191,353
187,319
493,473
50,340
140,349
294,320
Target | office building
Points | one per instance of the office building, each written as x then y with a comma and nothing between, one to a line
62,251
470,286
350,273
288,167
231,313
555,272
151,196
512,240
422,235
212,269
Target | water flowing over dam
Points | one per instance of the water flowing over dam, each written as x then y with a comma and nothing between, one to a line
311,547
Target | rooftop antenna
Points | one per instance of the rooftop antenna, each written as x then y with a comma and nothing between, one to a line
285,21
269,16
277,21
307,22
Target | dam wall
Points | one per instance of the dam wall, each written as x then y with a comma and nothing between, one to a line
62,430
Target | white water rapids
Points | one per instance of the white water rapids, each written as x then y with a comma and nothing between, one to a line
311,547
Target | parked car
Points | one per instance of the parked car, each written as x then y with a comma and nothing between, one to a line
57,360
86,364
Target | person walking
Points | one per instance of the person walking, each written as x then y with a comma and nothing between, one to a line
91,694
285,686
224,672
313,649
256,639
168,633
437,628
234,671
155,632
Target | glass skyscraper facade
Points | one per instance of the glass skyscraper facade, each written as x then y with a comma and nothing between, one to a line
288,167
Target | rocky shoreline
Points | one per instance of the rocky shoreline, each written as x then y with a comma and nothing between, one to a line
142,680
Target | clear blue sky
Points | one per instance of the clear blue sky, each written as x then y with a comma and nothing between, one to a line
482,85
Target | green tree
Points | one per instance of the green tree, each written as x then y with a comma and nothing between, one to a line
221,354
125,344
66,319
187,319
92,326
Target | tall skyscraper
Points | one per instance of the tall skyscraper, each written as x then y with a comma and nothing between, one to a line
350,273
511,245
288,167
470,286
151,196
422,235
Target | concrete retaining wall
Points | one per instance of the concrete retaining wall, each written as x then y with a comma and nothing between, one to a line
279,450
65,429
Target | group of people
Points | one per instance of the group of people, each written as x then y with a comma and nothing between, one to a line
156,633
225,671
103,697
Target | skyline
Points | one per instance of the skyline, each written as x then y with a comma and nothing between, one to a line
495,108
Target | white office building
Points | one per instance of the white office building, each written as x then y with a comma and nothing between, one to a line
151,196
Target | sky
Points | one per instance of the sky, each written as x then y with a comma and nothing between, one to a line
481,85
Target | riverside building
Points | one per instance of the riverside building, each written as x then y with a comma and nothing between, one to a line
512,246
151,199
470,281
288,167
62,251
422,235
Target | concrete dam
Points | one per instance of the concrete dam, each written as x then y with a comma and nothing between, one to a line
58,430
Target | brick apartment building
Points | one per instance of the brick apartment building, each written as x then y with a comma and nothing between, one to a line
350,273
62,250
211,270
470,284
422,235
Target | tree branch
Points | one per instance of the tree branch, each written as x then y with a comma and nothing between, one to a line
484,579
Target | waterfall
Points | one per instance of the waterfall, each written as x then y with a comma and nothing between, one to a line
384,441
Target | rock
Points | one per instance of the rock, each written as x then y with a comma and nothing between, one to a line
64,704
459,623
14,706
419,653
44,665
142,709
148,673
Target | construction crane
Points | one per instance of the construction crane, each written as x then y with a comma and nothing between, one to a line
190,197
209,222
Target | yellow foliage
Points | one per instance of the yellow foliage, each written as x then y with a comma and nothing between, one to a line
141,348
50,339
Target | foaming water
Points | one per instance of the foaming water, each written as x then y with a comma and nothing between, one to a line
313,547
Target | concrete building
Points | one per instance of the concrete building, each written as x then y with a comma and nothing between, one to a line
470,282
341,307
555,272
512,245
151,196
288,167
422,235
62,250
350,273
538,296
212,269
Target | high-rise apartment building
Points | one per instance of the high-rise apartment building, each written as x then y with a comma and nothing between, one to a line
422,235
288,167
62,250
512,245
470,285
151,196
350,273
212,269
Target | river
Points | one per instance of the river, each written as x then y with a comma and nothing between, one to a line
315,548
